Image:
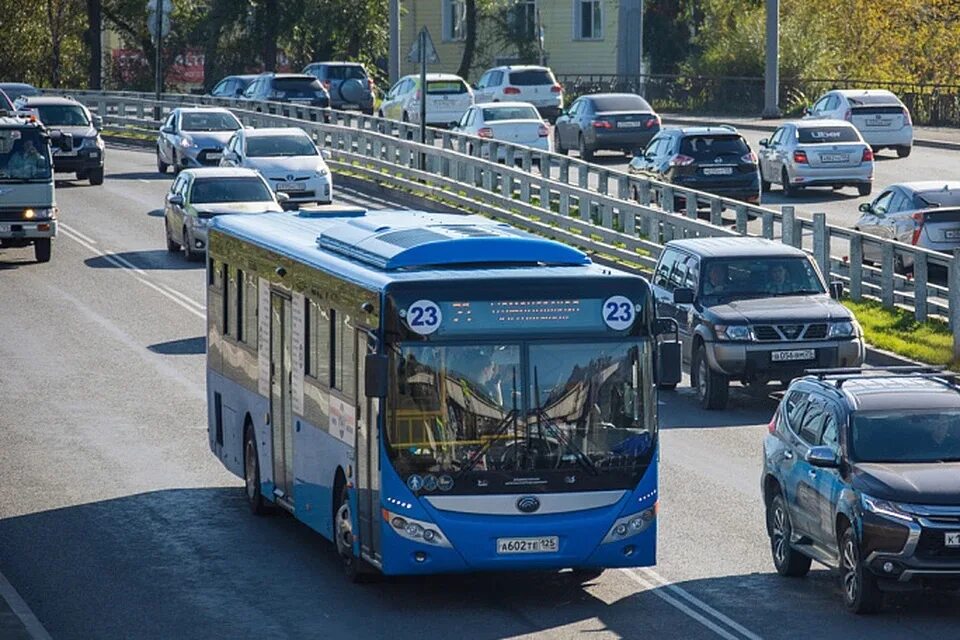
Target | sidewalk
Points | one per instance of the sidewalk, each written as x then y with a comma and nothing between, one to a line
937,137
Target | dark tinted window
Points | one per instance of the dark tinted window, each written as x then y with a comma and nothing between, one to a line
297,87
827,135
5,103
667,262
813,422
620,103
794,408
531,77
740,278
62,115
208,121
446,87
218,190
906,436
493,114
939,198
708,147
346,72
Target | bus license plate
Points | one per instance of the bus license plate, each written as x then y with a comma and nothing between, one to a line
291,186
951,539
546,544
790,356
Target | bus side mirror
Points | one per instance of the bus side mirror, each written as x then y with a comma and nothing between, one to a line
668,363
375,372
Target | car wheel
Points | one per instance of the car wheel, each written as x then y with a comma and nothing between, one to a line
557,145
161,165
356,569
586,153
864,189
172,246
251,474
712,388
904,151
788,189
42,249
861,594
96,176
787,560
188,253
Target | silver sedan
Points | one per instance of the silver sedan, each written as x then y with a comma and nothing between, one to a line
816,153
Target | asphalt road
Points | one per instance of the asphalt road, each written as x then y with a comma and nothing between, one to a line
117,522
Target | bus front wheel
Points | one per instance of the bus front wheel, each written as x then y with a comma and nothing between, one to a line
251,475
356,569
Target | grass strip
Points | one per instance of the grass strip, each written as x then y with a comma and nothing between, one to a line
896,330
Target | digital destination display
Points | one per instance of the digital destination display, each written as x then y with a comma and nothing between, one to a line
541,315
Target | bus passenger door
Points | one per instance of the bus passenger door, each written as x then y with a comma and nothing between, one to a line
281,398
368,467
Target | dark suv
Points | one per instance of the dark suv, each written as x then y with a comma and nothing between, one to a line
752,310
288,87
347,83
716,160
861,472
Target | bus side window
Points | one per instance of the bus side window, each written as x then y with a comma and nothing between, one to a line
225,307
241,328
250,301
333,344
348,364
311,320
229,293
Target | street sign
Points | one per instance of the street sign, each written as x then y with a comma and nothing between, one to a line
416,49
166,7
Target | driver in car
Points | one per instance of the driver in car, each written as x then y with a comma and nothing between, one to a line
778,279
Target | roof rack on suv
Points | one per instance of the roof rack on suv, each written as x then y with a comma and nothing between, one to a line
842,374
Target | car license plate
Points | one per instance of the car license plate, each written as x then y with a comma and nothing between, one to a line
833,157
350,106
878,123
717,171
291,186
545,544
790,356
214,156
952,234
65,153
951,539
628,125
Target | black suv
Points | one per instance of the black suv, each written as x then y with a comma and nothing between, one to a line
288,87
716,160
861,472
752,310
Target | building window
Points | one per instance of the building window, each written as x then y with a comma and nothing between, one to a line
525,19
454,20
588,19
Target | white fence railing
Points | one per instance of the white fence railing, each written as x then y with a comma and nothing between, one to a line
607,212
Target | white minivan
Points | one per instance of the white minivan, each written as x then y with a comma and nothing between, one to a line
880,117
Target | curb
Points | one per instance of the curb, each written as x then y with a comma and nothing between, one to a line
769,128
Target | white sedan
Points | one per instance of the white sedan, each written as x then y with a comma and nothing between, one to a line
287,158
514,122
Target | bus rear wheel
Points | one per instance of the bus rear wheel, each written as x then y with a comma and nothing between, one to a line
251,475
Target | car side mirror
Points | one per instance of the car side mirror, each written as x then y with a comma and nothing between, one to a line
166,129
325,154
683,295
175,199
98,123
454,124
866,207
282,197
375,375
823,457
668,363
836,289
764,142
808,111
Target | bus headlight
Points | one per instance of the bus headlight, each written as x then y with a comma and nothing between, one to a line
416,530
631,525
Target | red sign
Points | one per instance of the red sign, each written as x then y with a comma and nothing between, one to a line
186,70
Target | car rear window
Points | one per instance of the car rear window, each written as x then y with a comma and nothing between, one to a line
620,103
298,87
446,87
346,72
220,190
871,110
940,198
212,121
827,135
531,77
495,114
708,147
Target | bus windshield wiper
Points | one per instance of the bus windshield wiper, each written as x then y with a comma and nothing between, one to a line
499,430
568,444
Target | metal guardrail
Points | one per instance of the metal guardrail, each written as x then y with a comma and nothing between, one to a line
601,210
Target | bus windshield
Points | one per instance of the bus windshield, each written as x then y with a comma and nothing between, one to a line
24,155
519,409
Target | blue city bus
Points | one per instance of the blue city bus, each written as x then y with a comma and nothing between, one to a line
434,392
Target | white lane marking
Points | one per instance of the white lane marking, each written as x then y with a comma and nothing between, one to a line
77,233
22,610
143,180
191,306
700,604
676,604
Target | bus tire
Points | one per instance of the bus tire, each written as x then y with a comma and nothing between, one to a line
42,249
356,569
251,474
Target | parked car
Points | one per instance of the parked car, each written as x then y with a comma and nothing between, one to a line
860,473
527,83
752,310
816,153
882,119
194,137
232,86
717,160
287,158
514,122
347,83
617,121
17,90
6,104
197,195
296,88
85,157
925,214
448,97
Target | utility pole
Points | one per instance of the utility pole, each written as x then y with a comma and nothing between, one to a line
394,53
640,53
771,84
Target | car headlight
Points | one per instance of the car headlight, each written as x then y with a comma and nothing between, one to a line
200,222
884,508
734,332
842,329
322,171
39,214
186,143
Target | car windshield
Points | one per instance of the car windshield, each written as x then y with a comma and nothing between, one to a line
827,135
531,77
15,91
446,87
620,103
278,146
740,278
62,115
306,87
708,147
219,190
346,72
494,114
208,121
5,103
24,155
940,198
918,435
454,409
